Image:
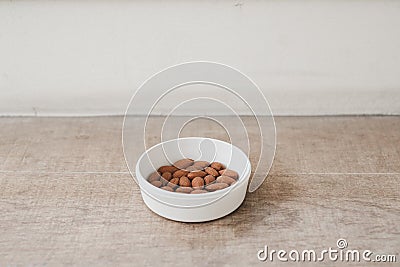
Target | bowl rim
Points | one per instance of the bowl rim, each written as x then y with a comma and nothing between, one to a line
245,175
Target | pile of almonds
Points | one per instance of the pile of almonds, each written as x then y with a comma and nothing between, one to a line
193,177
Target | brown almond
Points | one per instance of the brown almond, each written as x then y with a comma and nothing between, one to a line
180,173
163,181
157,183
185,190
167,188
198,191
197,182
174,181
191,169
183,163
226,179
170,169
167,176
155,176
201,165
229,173
211,171
209,179
184,181
217,165
216,186
194,174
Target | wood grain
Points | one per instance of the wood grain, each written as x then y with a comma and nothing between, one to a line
67,198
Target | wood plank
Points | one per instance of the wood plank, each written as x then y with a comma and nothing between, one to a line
338,145
305,144
87,219
67,198
61,144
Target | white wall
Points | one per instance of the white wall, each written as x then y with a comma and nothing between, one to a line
309,57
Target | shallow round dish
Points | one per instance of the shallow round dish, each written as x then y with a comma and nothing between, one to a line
193,207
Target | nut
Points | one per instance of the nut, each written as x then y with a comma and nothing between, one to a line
174,181
163,181
194,174
211,171
184,181
180,173
183,163
216,186
191,169
200,165
197,182
226,179
155,176
217,165
167,176
209,179
157,183
167,188
229,173
186,190
170,169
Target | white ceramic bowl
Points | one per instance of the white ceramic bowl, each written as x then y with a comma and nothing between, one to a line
193,207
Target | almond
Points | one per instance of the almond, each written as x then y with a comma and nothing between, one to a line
163,181
167,188
194,174
197,182
229,173
157,183
180,173
216,186
170,169
211,171
209,179
174,181
217,165
200,165
184,181
167,176
226,179
185,190
191,169
183,163
155,176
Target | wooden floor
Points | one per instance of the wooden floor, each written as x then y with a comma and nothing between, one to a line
66,197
